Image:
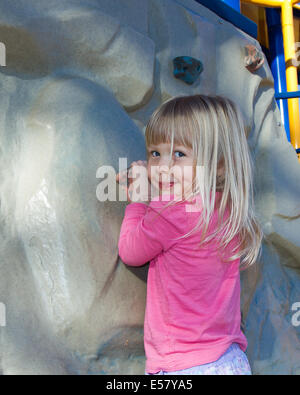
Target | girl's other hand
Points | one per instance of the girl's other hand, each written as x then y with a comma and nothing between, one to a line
127,177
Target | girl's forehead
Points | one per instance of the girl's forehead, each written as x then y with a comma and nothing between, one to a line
166,146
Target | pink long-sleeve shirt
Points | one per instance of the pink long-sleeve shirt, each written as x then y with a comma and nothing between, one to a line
193,297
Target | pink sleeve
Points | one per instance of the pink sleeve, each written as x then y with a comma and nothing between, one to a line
144,234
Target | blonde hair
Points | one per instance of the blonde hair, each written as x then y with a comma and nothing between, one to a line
213,127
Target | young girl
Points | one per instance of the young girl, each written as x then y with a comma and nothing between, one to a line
197,227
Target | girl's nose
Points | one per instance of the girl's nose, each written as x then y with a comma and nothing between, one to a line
165,163
164,169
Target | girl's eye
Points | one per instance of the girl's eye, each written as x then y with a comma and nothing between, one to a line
181,154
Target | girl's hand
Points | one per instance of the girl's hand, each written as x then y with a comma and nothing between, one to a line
130,182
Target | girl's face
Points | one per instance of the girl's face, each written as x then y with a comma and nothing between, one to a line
175,176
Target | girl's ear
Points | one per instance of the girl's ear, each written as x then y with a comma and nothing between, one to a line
221,162
220,168
220,175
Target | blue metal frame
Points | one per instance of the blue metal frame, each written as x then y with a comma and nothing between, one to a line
278,64
231,15
287,95
235,4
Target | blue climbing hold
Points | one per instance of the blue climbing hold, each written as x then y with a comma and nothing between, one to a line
187,69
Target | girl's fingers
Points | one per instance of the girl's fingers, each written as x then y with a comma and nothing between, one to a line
125,176
142,162
139,163
122,176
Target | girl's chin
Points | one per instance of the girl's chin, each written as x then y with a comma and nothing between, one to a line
177,192
175,189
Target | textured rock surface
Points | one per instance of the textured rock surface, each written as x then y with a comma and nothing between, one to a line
81,80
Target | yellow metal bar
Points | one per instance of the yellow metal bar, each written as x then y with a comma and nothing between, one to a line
287,22
265,3
271,3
